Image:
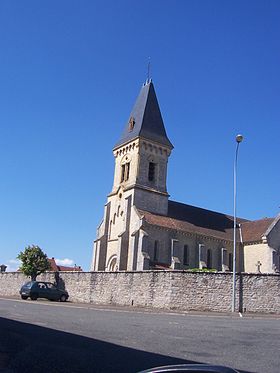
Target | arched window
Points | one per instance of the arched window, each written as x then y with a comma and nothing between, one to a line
186,255
209,259
151,174
112,263
125,172
156,251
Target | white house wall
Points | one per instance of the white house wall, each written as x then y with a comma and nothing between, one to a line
258,252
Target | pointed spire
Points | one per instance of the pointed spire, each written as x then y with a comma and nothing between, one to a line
145,119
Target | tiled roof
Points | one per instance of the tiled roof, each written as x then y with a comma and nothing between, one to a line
253,231
145,119
58,268
76,268
187,218
52,262
196,220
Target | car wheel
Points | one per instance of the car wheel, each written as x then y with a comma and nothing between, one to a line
63,298
24,297
34,296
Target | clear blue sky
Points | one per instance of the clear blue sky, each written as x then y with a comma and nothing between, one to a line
70,72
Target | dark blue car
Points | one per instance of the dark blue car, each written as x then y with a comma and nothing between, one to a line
40,289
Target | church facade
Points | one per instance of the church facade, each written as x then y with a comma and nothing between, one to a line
143,229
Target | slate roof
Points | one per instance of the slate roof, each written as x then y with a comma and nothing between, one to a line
196,220
145,119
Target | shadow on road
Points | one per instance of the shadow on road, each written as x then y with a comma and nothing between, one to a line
31,348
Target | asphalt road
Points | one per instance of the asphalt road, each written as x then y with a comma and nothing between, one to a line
43,336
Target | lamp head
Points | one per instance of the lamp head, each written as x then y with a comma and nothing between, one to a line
239,138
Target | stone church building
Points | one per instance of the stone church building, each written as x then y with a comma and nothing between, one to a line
142,229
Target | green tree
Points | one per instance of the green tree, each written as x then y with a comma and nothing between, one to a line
33,261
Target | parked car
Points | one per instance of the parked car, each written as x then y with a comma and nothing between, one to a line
40,289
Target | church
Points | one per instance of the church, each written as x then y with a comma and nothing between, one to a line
143,229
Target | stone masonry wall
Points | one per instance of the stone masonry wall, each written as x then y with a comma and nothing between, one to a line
176,290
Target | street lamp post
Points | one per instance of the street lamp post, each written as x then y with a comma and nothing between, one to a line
238,138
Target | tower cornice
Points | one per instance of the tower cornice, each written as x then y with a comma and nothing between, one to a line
152,146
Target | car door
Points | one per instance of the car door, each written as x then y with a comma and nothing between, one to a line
52,291
42,290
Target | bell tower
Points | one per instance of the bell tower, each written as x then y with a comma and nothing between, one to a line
141,155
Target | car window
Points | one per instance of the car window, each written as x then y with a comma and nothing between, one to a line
28,284
51,286
41,285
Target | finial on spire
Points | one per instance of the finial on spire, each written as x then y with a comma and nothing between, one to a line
148,71
149,67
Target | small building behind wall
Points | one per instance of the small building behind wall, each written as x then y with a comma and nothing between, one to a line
261,241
